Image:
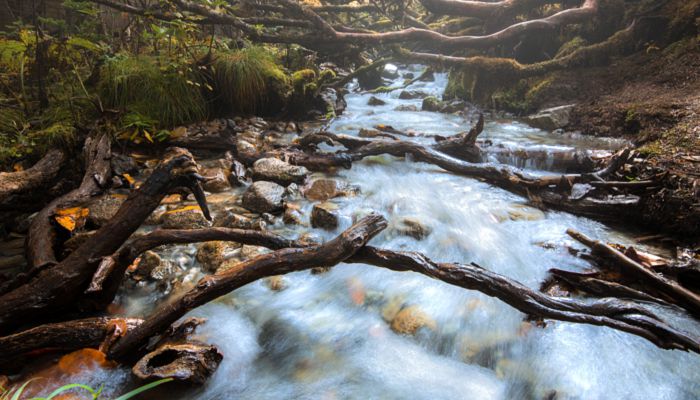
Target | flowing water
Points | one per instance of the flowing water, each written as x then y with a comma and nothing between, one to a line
326,336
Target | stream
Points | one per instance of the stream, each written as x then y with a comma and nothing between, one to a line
329,336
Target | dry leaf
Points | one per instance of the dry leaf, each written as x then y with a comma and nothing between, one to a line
72,218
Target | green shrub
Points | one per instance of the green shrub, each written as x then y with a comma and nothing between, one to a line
250,81
166,91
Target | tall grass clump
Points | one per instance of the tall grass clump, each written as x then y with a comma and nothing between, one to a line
250,81
163,90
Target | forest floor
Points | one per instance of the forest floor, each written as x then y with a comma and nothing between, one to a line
653,99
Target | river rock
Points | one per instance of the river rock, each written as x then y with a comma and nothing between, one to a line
189,217
324,189
292,216
551,118
264,196
212,254
390,71
411,95
453,106
410,319
408,75
406,107
103,208
325,215
276,283
375,101
233,218
413,227
217,180
149,261
431,103
248,251
278,171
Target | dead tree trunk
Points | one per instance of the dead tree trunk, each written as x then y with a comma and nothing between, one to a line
17,187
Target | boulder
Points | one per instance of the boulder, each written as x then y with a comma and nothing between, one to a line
551,118
375,101
235,219
264,196
453,106
278,171
150,265
325,215
410,319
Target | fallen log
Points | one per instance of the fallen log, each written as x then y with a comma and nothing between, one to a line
60,337
58,287
682,296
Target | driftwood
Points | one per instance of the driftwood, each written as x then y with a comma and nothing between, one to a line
61,337
59,286
97,154
680,295
16,187
185,362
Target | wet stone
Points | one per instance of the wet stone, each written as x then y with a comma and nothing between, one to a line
217,180
276,283
264,196
325,215
292,216
103,208
278,171
212,254
375,101
411,95
410,319
406,107
325,189
431,103
413,227
189,217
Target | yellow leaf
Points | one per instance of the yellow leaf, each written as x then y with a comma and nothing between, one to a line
72,218
17,167
178,132
183,209
148,136
129,179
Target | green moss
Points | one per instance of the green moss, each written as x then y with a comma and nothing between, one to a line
160,89
571,46
249,80
326,75
303,76
431,103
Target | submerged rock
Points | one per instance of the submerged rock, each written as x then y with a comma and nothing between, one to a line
276,283
390,71
375,101
410,319
551,118
412,94
325,215
406,107
264,197
413,227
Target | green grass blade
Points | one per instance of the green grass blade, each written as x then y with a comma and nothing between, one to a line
143,389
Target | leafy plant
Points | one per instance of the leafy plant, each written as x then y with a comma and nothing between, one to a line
137,127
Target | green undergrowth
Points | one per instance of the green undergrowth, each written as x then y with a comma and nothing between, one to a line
72,389
162,90
250,80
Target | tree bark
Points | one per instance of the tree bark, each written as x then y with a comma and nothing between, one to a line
17,187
